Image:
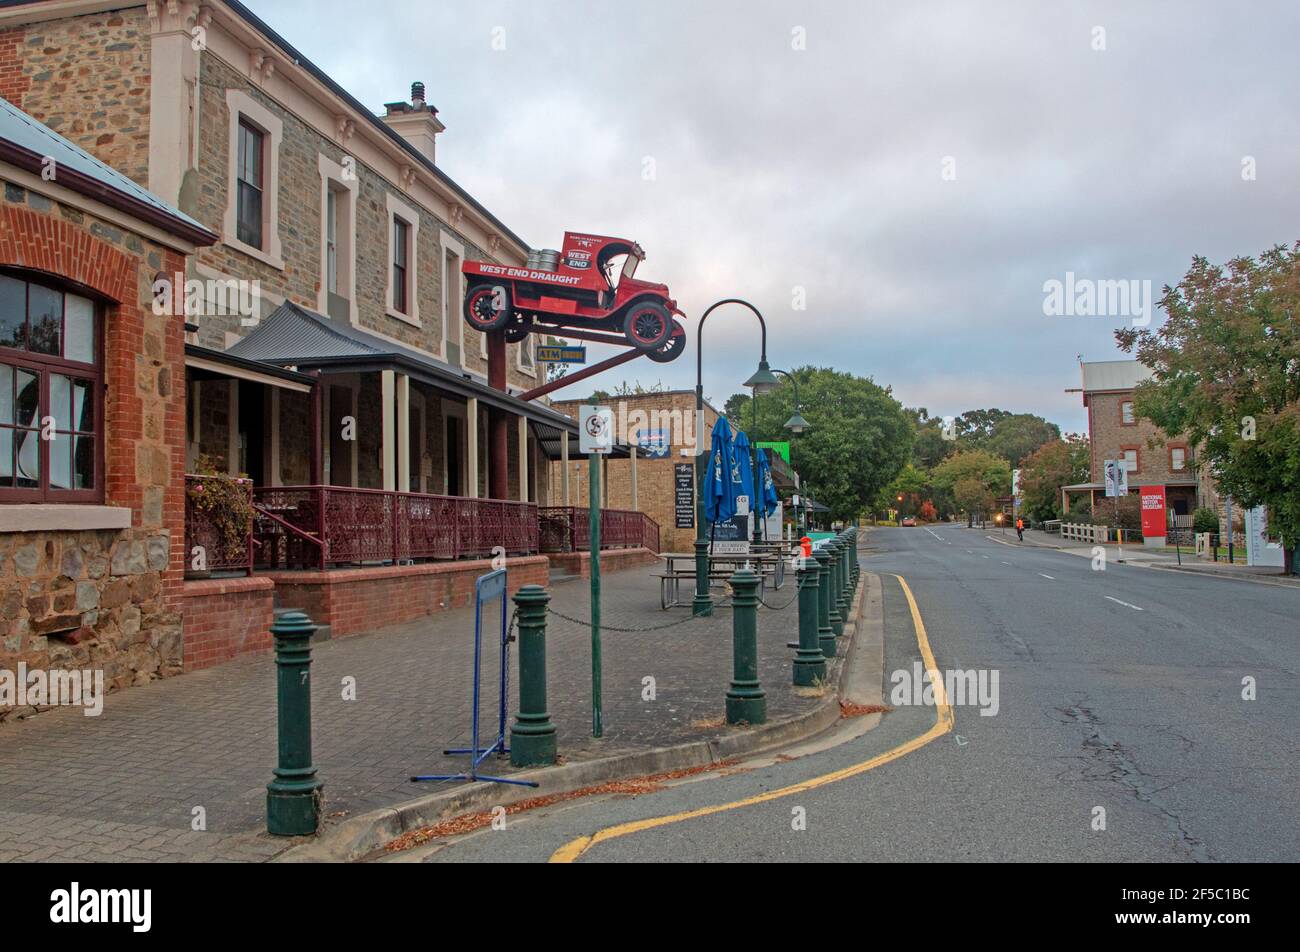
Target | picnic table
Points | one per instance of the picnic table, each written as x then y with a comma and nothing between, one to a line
767,563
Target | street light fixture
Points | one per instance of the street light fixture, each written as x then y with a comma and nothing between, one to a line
762,381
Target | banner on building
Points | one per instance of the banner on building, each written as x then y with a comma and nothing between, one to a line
1154,517
653,444
1116,473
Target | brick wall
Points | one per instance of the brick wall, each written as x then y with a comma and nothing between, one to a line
87,78
106,599
226,618
352,601
1110,436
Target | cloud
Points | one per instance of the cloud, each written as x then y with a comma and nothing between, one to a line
821,168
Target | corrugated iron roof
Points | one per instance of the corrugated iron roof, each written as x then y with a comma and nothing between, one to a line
22,130
1113,375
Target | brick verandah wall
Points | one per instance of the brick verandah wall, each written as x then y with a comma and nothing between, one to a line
352,601
106,599
226,618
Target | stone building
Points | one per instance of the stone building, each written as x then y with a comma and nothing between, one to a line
92,417
1115,431
325,356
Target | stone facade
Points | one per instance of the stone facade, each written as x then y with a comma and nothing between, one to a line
105,599
87,78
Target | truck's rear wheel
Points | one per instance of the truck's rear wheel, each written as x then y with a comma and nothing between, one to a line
673,349
648,325
487,307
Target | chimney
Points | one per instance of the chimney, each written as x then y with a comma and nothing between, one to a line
415,121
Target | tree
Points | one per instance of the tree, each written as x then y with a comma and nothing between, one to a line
910,483
1017,435
1043,473
859,436
974,427
928,512
957,474
1226,377
930,446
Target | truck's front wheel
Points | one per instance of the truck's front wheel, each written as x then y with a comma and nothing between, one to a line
648,325
487,307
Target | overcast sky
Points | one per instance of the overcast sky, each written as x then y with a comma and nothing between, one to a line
831,168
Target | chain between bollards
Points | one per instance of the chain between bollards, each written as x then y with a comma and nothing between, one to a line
293,798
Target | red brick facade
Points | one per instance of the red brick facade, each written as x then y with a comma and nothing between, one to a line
352,601
14,81
226,618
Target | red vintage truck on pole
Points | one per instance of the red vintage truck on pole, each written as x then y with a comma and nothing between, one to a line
589,288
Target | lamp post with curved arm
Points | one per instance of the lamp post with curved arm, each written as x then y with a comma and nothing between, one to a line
796,424
762,381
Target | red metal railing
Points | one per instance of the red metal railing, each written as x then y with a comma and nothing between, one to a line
317,526
568,529
207,542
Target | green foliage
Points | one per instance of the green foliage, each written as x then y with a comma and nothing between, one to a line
972,480
1226,367
1043,473
1016,436
1205,520
859,436
226,503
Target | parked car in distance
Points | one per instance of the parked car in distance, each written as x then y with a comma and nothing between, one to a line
908,521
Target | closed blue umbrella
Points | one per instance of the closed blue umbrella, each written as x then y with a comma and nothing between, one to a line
770,499
719,487
742,470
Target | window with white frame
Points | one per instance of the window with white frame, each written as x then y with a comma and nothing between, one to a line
1126,413
337,296
1178,458
1132,460
525,357
453,324
403,237
252,217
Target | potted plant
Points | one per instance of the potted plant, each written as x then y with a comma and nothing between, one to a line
221,507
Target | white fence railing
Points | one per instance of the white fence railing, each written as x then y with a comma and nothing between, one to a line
1079,532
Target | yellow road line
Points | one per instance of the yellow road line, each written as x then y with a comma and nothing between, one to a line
943,724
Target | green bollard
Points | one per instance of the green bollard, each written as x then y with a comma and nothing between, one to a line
836,617
825,634
293,798
809,662
846,584
746,702
532,736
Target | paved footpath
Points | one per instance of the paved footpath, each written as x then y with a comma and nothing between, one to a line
126,785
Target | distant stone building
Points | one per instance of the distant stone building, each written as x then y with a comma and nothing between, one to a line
1115,431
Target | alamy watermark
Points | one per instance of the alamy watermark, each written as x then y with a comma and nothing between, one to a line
208,297
36,687
960,688
1086,297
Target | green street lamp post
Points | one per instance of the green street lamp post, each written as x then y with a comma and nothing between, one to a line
761,381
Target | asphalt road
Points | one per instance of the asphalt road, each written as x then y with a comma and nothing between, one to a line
1118,689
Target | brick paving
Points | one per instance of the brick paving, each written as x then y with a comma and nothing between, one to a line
124,786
